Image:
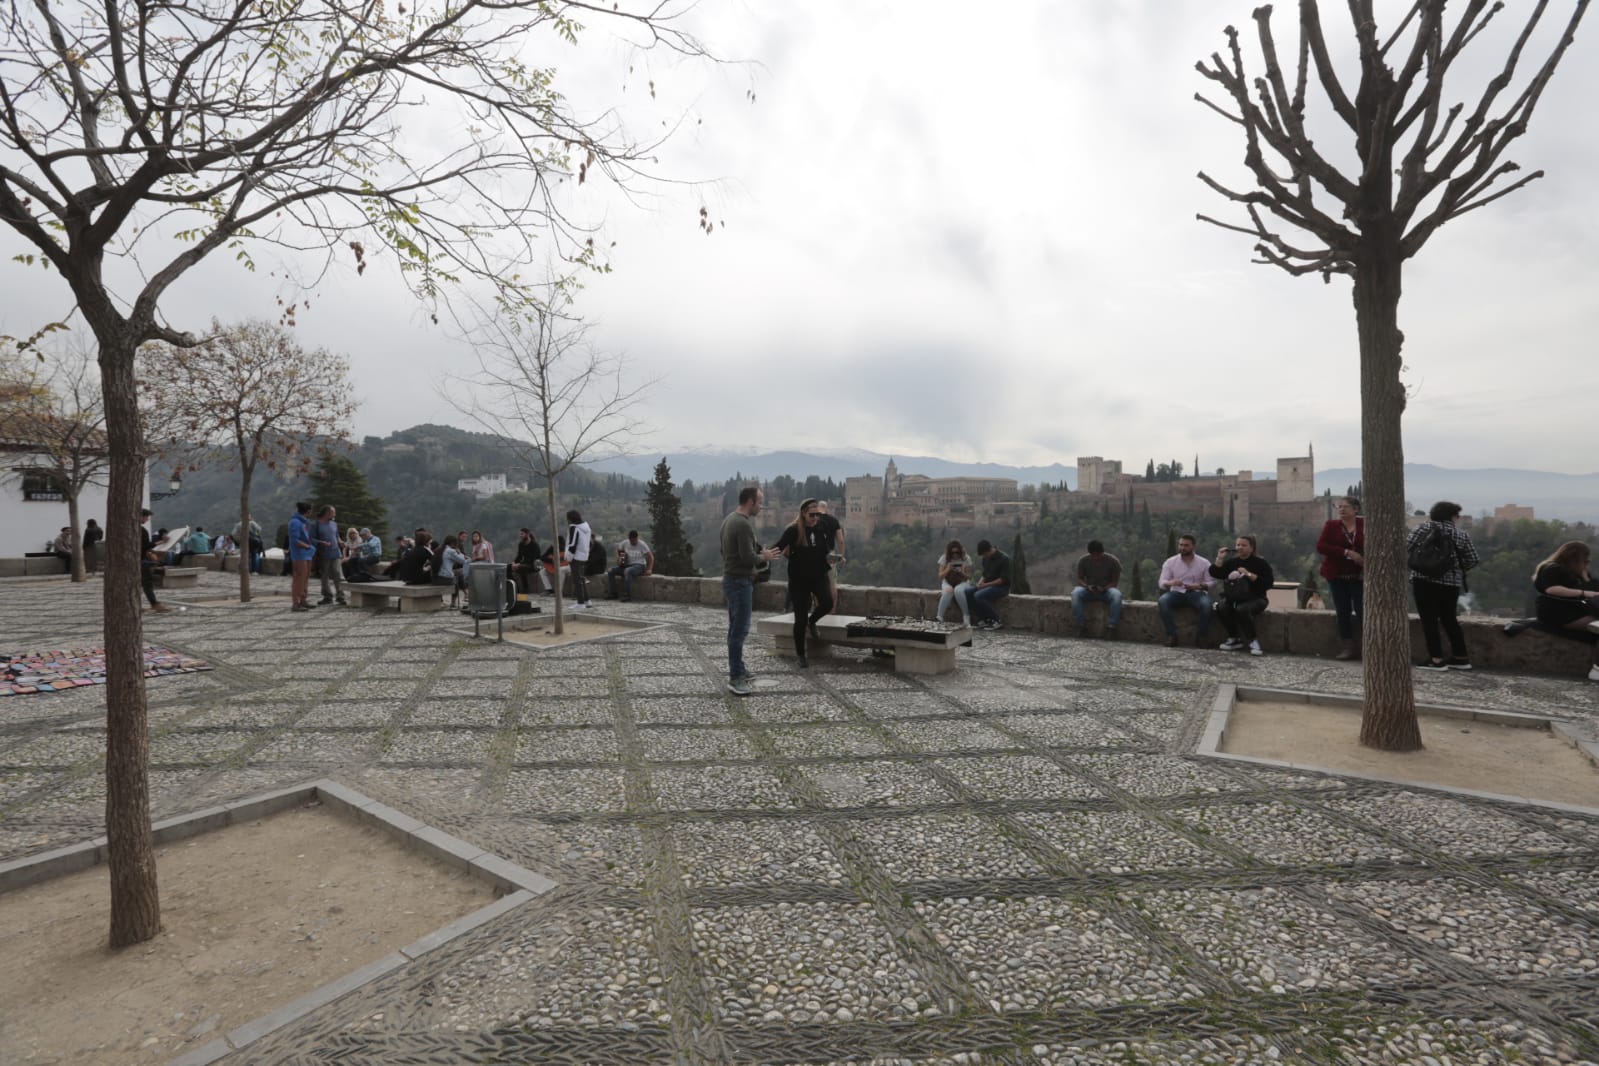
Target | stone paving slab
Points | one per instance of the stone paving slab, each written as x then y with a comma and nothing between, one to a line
1024,862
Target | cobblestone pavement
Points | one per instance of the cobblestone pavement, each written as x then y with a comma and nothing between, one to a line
1017,863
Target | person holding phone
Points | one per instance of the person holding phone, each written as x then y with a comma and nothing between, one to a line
1247,577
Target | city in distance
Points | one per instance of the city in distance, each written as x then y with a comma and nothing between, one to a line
1567,497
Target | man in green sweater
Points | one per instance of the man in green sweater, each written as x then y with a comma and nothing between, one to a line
740,556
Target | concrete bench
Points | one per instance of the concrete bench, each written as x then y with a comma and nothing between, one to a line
178,577
407,598
917,650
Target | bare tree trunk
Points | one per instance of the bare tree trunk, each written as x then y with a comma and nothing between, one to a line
560,545
78,572
247,470
1389,719
135,899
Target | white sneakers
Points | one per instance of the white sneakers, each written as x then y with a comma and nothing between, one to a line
1593,673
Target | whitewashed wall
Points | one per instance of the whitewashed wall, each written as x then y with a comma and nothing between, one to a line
28,525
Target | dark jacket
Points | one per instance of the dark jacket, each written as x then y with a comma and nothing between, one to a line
527,555
415,567
1260,575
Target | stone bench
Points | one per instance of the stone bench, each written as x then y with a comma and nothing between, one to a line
407,598
178,577
916,651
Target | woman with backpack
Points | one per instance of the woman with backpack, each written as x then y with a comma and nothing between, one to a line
1440,553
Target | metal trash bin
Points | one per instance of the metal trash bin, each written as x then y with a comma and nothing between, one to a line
487,583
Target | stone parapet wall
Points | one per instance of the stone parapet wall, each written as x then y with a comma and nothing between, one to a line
1282,632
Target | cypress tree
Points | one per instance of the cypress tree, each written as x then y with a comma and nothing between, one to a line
338,481
1137,591
673,556
1149,471
1171,542
1018,569
1144,527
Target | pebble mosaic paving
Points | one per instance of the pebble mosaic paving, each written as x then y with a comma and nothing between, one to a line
1021,863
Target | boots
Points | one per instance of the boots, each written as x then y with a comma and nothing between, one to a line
1350,649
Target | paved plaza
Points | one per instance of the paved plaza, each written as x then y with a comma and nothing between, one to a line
1022,862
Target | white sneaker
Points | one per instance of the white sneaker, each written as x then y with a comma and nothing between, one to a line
1256,649
1231,644
1593,673
577,607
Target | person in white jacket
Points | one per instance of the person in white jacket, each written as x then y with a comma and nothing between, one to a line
579,538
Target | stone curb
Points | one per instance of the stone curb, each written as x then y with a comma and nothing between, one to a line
517,885
1227,696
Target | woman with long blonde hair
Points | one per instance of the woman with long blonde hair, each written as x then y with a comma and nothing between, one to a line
1568,595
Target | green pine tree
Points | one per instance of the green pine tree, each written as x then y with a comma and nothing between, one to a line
1145,528
1171,542
338,481
1137,590
1149,471
673,555
1018,569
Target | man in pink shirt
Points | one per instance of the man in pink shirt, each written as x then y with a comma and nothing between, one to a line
1185,581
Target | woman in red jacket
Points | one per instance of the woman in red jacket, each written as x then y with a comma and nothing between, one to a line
1342,546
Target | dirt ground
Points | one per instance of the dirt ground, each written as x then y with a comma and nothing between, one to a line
1460,753
253,916
543,636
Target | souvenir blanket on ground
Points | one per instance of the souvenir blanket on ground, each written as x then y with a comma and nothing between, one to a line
55,671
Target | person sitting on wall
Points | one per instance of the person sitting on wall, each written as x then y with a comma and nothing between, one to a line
1185,581
1098,574
633,559
994,586
1248,577
61,548
1568,595
526,563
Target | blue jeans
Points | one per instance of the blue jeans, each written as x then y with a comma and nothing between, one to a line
1081,595
958,594
1349,601
1171,599
740,595
981,601
627,574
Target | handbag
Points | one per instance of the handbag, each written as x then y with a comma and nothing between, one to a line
1239,589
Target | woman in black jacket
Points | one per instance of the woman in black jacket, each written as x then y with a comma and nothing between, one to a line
806,549
1247,578
1568,595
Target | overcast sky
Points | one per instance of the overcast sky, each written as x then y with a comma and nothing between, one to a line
969,232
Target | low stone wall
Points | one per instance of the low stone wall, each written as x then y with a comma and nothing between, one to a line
31,566
1282,632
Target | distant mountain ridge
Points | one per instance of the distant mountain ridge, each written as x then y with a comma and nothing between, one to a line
1571,497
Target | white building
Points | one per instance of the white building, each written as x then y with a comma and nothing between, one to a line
33,506
487,485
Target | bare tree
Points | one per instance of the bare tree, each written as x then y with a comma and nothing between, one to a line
56,407
252,396
1418,164
155,134
557,400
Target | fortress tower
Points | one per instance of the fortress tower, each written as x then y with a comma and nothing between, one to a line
1296,478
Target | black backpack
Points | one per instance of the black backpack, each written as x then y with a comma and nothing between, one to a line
1434,554
595,563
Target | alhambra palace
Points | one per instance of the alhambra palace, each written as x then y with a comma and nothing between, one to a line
1238,500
